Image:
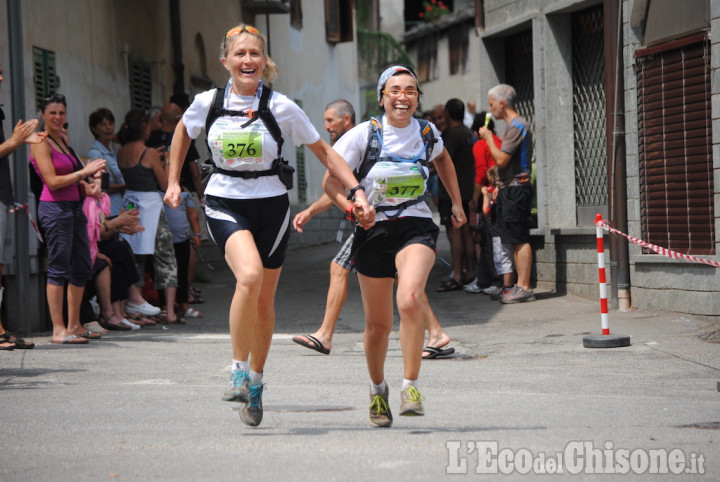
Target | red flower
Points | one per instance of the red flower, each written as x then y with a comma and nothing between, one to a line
421,15
434,2
428,8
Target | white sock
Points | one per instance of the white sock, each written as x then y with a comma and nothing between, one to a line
255,378
378,389
409,383
243,366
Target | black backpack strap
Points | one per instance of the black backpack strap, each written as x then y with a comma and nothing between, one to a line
372,151
214,112
268,119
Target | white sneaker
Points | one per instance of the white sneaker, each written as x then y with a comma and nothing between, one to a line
472,287
145,309
492,290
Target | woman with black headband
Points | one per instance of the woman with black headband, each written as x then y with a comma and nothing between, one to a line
403,241
247,206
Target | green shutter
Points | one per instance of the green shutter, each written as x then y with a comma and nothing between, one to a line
45,79
140,84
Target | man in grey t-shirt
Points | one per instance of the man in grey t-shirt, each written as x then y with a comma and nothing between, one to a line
513,159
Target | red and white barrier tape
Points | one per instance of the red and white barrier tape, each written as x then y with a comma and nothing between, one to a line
660,250
18,207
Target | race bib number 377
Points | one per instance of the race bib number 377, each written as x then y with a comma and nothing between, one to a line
394,190
242,147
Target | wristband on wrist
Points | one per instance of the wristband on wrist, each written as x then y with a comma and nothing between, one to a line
196,234
351,196
349,213
79,177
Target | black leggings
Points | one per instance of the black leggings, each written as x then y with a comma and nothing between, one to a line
123,272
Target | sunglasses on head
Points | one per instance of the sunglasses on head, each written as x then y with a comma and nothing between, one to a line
244,28
53,98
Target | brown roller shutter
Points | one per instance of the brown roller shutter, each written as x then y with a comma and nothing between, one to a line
675,146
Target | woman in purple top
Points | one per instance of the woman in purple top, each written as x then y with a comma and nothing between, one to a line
61,215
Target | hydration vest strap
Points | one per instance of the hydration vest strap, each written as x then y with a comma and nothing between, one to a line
263,113
246,174
400,207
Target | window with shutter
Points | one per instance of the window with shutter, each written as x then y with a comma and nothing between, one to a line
459,41
675,145
140,84
427,57
45,79
338,21
296,19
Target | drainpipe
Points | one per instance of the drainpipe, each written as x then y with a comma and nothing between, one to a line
176,35
25,311
615,127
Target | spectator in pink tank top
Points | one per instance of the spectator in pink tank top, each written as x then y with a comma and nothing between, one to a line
65,182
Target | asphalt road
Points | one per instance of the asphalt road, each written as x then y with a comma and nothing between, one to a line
521,395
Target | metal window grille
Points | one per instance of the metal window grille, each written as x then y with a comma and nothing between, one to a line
675,146
45,79
519,74
300,162
140,84
588,75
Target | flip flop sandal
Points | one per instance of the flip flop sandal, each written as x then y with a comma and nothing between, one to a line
191,313
451,285
95,327
104,321
90,335
70,340
19,342
164,319
437,352
197,300
314,344
141,320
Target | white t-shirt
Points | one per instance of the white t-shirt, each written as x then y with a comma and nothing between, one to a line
249,149
403,142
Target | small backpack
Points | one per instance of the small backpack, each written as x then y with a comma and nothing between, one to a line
372,155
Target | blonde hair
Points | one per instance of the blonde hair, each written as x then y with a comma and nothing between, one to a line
270,72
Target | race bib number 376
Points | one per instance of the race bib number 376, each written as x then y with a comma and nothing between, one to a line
242,147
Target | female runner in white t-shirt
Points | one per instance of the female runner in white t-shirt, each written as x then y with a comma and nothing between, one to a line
403,241
249,218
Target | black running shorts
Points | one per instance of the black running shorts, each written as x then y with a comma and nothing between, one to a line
268,219
374,249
